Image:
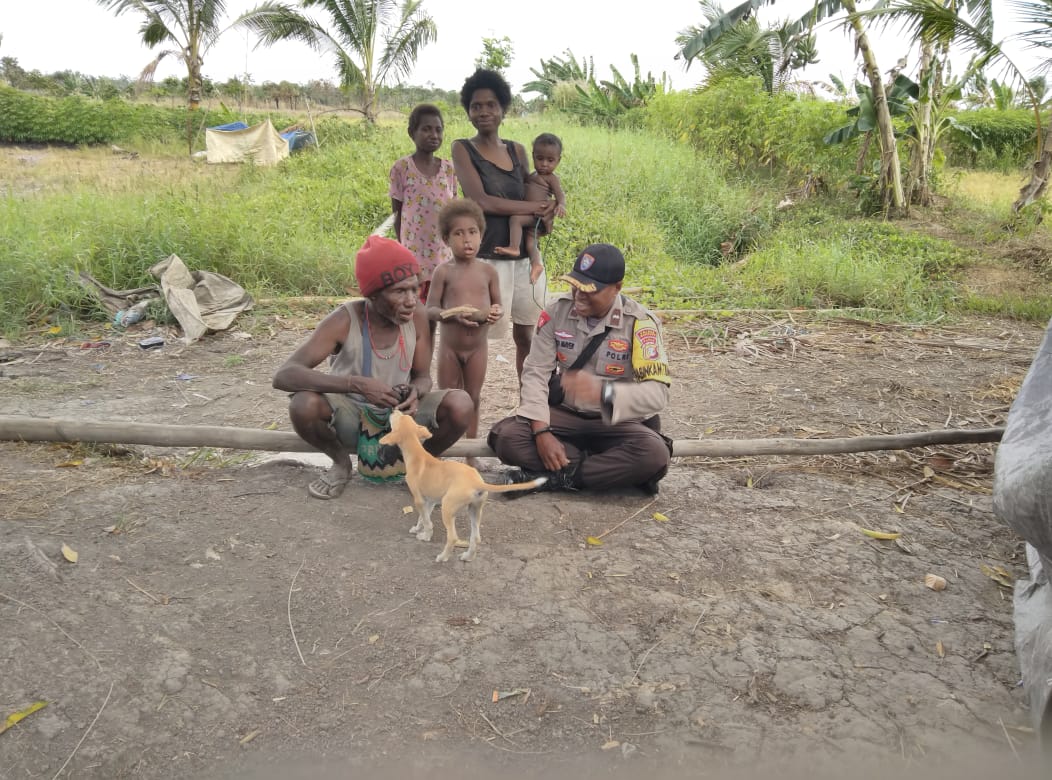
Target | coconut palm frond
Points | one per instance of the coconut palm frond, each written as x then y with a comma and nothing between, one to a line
154,31
403,43
351,75
1036,16
277,22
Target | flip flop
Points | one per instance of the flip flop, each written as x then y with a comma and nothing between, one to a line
327,486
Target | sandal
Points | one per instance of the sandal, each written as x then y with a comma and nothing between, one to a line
328,485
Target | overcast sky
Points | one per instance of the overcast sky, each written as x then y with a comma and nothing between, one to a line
82,36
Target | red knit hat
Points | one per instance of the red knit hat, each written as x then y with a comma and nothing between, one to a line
382,262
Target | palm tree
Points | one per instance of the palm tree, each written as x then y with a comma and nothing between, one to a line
943,20
746,49
192,27
890,181
370,40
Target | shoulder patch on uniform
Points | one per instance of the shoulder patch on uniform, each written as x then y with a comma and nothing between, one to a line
543,319
648,353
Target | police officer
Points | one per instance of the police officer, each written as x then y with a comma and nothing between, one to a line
595,424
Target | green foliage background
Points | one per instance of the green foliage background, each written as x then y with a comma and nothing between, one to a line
685,197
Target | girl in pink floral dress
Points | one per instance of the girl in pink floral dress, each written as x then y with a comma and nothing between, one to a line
421,184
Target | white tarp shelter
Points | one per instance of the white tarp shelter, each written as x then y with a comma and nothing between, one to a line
261,144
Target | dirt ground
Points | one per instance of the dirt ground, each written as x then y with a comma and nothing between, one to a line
219,622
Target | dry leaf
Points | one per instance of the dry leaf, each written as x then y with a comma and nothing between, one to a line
940,649
407,510
16,717
54,330
498,695
249,737
998,574
69,553
659,517
69,464
881,534
935,582
929,472
941,462
594,541
373,638
611,745
271,427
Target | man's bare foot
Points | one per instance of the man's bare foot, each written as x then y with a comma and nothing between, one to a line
331,483
507,251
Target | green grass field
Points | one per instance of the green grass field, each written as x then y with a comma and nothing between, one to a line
695,235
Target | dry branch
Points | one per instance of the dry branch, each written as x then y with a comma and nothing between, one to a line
18,428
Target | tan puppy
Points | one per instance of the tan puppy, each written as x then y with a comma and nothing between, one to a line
432,480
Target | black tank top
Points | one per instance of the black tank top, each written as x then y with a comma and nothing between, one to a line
502,184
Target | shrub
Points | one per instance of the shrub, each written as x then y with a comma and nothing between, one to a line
74,120
735,119
1006,139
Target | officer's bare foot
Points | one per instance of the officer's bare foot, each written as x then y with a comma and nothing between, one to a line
507,251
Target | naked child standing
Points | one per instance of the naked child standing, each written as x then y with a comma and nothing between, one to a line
471,289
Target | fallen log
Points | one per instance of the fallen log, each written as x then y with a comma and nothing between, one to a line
35,429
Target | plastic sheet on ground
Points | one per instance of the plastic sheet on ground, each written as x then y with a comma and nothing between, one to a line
1023,499
201,301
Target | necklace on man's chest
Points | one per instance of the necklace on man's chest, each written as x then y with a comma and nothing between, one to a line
396,349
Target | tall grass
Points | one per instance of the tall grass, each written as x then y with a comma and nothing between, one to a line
836,264
294,228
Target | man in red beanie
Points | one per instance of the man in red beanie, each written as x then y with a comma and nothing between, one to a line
379,348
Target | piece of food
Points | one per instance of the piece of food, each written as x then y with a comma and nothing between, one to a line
470,312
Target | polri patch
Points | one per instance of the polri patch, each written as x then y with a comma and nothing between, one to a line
648,343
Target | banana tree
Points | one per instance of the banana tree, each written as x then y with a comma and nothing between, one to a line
558,70
890,179
747,49
968,23
901,94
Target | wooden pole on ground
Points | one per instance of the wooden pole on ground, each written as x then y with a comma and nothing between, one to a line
35,429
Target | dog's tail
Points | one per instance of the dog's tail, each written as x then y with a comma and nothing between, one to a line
531,485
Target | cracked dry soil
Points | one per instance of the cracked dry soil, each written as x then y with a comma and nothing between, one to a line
221,623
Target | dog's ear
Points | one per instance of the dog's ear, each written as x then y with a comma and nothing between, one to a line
422,432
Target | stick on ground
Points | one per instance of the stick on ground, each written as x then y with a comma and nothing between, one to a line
289,612
85,735
56,625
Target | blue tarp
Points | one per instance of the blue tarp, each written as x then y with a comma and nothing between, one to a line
296,139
